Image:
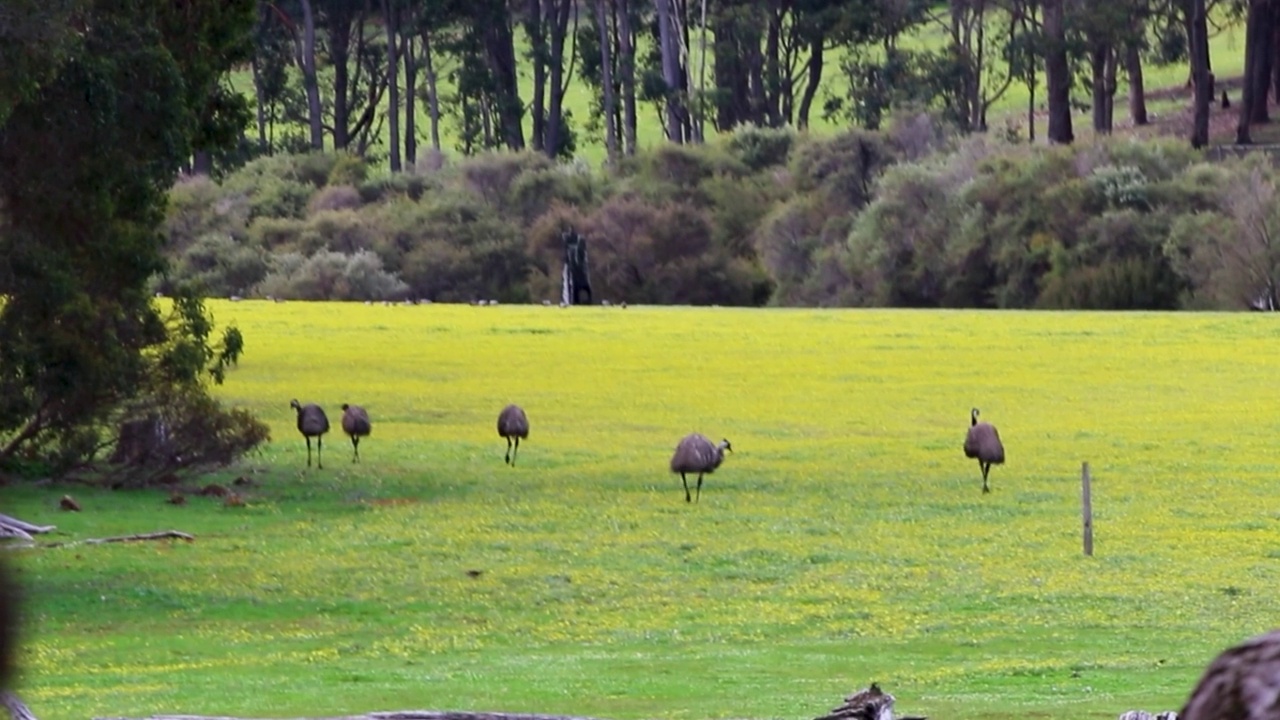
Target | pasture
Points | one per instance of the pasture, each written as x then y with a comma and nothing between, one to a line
845,540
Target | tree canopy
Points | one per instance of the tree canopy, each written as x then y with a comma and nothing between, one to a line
122,95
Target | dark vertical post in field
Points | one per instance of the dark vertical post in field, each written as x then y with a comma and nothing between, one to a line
1087,502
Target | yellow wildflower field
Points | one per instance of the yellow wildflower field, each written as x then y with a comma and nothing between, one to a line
844,540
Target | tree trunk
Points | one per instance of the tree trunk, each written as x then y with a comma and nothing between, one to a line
1265,59
1137,93
670,69
814,68
390,13
772,69
410,102
1200,75
699,120
1252,44
1057,74
433,91
627,69
534,29
339,27
555,119
606,83
500,51
1099,58
309,80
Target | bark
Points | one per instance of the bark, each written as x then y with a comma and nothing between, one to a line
559,78
1057,74
699,124
391,715
670,69
814,79
1099,59
500,51
627,69
533,27
772,66
410,102
17,709
1252,44
339,26
1266,61
307,59
1200,74
433,92
606,82
1137,92
260,108
390,20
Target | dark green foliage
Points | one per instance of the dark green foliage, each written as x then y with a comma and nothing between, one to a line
89,156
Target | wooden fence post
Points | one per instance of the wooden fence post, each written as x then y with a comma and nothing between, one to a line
1087,501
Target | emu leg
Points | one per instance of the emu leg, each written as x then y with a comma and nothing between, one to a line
699,486
308,439
355,444
986,467
687,496
515,451
507,459
319,452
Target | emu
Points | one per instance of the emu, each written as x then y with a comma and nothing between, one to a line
1240,684
312,423
696,453
513,424
983,443
355,423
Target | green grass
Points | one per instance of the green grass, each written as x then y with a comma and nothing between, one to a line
845,540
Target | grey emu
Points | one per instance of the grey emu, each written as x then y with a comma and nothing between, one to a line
696,453
513,424
983,443
312,423
355,423
1240,684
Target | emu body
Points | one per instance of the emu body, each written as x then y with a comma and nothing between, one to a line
696,453
312,423
355,423
513,425
983,443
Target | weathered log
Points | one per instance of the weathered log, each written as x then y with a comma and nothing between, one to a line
389,715
161,535
15,707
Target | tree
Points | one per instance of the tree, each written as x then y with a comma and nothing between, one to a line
1200,76
36,36
89,155
1057,73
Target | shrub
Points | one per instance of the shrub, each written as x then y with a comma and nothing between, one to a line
759,148
347,169
686,166
199,207
219,266
329,275
491,175
276,234
344,231
334,197
842,169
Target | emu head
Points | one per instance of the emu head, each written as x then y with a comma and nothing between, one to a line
724,445
973,416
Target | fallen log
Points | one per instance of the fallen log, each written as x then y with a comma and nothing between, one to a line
390,715
161,535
